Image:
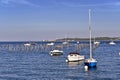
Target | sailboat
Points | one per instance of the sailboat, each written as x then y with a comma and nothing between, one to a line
65,42
96,42
90,62
112,43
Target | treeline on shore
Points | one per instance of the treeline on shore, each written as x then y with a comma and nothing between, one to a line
96,38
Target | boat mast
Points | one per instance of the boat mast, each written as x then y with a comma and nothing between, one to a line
90,34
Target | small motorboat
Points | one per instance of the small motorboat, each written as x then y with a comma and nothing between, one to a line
56,52
50,44
30,44
112,43
74,56
27,44
96,43
65,42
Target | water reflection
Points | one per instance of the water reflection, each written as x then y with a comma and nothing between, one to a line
72,64
91,73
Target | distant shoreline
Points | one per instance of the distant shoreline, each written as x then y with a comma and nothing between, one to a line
72,39
86,39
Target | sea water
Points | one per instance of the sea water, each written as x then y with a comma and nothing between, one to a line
23,63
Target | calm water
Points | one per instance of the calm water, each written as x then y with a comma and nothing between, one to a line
20,65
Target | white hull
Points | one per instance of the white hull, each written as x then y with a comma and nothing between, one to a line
65,43
112,43
56,52
27,44
50,44
73,58
96,42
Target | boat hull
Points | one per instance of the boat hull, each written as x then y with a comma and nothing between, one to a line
74,58
91,64
56,53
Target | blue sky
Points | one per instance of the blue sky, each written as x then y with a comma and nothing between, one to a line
24,20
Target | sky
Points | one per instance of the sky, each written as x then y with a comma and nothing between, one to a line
36,20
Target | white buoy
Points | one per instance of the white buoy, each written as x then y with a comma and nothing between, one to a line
51,54
86,68
66,60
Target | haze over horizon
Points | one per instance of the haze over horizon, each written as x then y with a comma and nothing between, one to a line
35,20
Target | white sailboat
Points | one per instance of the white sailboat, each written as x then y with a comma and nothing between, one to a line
90,62
65,42
96,42
112,43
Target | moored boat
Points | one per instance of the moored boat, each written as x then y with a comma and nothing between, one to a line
112,43
74,57
30,44
27,44
56,52
96,42
90,62
50,44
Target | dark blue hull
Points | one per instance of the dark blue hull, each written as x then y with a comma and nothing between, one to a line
91,64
